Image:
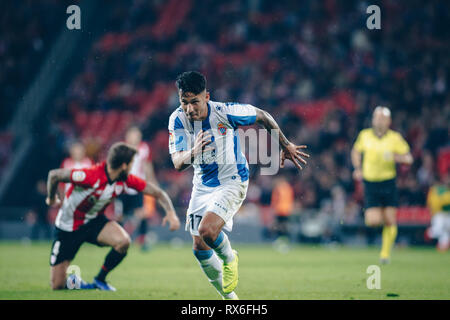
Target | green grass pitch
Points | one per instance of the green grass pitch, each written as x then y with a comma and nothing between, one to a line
166,272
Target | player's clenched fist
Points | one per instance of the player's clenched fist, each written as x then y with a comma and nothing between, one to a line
202,140
53,201
174,222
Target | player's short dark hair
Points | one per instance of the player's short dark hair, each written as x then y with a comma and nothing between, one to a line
191,81
120,153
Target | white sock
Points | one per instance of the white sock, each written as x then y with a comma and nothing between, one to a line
212,267
222,247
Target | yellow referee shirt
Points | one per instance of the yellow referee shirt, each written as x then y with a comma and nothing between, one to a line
378,153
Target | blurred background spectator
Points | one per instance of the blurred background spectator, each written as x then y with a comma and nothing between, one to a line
283,206
37,218
77,159
439,204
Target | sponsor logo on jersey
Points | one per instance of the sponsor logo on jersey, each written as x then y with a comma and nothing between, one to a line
220,206
78,176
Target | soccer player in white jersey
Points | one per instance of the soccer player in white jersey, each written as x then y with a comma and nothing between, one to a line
220,171
81,217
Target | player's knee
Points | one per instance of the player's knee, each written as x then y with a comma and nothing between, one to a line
207,233
370,222
123,244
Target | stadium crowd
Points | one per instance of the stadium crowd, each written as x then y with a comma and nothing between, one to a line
27,32
313,64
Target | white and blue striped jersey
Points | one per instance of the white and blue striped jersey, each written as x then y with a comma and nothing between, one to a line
225,162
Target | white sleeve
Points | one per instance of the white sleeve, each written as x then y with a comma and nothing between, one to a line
177,135
240,114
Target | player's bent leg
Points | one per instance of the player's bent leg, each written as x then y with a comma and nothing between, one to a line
390,216
115,236
210,227
389,233
58,275
210,232
211,265
199,244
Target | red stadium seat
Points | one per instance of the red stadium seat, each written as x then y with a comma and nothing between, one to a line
413,216
443,161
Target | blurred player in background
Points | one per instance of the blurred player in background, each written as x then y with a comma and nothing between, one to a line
39,212
374,157
136,207
438,202
77,159
219,186
81,217
283,204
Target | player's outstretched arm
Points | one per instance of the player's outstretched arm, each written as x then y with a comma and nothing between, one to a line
288,149
404,158
55,176
163,199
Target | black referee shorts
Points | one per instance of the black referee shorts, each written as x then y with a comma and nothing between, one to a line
380,194
66,244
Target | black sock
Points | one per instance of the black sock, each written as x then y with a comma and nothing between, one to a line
111,261
143,227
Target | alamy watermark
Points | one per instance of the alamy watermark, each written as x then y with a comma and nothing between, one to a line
374,20
74,20
228,147
374,279
73,280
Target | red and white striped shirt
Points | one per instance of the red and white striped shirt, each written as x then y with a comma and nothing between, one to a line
89,194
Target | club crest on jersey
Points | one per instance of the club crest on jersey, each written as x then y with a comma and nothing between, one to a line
222,128
78,176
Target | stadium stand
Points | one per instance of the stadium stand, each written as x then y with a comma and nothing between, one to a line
319,71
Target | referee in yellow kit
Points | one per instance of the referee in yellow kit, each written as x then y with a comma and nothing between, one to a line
374,156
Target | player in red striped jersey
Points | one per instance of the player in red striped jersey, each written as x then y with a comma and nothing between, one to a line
81,217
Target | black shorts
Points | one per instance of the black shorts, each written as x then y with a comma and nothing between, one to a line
66,244
380,194
131,202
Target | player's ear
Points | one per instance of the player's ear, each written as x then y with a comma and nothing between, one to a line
207,96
